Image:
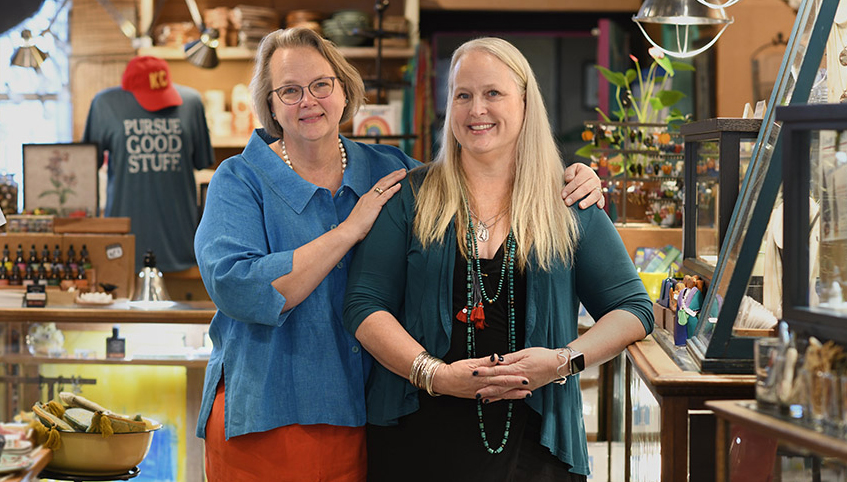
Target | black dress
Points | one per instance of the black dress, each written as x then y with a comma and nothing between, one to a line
441,441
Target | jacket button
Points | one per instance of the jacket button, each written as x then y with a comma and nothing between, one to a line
340,265
355,349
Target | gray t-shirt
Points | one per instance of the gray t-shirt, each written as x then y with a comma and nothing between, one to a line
152,158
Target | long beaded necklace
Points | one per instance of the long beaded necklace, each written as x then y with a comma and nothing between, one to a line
341,149
477,293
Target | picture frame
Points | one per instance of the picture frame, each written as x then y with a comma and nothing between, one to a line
61,177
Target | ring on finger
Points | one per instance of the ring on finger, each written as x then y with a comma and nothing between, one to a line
378,190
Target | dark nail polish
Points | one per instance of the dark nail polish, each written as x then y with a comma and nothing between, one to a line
501,357
485,401
478,396
492,357
529,395
525,382
475,373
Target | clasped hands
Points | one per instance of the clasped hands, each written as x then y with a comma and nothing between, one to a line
498,377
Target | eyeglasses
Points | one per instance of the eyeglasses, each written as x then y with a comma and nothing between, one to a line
319,88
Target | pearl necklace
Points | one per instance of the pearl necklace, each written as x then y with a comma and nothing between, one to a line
340,149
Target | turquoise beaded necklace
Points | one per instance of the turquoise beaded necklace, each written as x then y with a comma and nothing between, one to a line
476,294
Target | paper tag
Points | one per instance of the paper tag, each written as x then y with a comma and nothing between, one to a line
114,251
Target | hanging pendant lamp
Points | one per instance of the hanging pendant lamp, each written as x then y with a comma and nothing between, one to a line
683,14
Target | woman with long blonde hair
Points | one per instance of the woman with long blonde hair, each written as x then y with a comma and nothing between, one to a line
468,286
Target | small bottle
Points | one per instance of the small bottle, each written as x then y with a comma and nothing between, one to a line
81,281
15,279
7,260
84,258
55,277
33,258
41,275
19,258
29,277
115,345
4,277
72,263
45,258
57,255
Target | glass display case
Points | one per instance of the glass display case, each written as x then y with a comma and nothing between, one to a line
815,243
641,169
717,153
717,345
806,429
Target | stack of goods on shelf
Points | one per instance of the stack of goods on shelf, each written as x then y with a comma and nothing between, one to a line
304,18
8,194
219,19
347,28
175,34
396,28
253,23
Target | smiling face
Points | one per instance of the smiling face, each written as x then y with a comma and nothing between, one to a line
487,107
310,119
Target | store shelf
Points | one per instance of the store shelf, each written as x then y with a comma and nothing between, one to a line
241,53
196,312
24,359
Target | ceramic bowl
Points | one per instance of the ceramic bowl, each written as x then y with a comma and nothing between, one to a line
92,454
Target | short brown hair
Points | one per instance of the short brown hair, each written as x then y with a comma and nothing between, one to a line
260,85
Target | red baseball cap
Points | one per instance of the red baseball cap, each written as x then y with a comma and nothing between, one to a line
149,80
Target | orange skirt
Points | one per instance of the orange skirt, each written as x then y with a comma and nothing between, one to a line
291,453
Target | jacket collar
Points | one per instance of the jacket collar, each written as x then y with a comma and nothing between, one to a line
288,185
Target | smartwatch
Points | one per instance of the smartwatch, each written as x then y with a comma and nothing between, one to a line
575,361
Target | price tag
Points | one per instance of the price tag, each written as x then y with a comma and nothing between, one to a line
114,251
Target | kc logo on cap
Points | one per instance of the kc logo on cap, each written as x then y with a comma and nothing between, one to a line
149,80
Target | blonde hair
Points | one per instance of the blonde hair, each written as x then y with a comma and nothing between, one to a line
260,85
542,224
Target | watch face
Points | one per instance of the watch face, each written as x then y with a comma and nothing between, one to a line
577,363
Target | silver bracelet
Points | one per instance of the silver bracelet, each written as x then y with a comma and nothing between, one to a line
563,354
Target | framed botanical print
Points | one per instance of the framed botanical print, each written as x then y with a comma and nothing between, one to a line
61,177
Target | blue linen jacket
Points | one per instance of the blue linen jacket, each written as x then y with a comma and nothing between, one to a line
300,366
392,272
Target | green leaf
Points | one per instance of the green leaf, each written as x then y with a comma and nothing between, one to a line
615,78
669,97
585,151
605,117
656,104
665,63
55,183
682,67
630,76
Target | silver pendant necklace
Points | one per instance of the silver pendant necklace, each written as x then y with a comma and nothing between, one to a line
482,233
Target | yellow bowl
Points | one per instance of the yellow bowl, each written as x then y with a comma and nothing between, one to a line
91,454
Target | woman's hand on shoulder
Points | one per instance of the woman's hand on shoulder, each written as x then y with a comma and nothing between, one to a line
582,181
535,365
463,379
364,213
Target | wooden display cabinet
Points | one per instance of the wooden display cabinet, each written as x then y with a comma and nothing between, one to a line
19,364
717,153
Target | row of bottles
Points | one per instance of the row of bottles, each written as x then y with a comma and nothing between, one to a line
49,269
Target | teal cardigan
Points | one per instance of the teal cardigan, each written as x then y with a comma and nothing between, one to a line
392,272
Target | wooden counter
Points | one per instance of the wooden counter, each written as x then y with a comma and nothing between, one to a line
680,389
786,432
195,312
